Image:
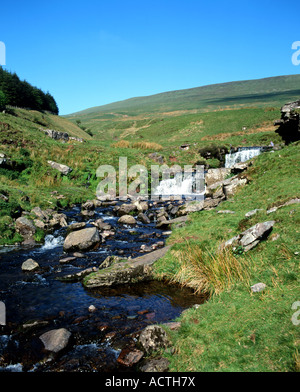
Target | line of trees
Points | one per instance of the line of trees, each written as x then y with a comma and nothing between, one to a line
15,92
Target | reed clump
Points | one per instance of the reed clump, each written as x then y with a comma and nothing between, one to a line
210,273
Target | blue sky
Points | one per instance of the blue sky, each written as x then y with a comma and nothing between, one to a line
89,53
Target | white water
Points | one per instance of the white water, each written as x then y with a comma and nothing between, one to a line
179,187
52,242
242,155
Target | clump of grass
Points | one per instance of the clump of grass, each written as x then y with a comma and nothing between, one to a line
140,145
121,144
210,273
147,146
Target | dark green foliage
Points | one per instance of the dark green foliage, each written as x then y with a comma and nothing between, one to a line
2,100
15,92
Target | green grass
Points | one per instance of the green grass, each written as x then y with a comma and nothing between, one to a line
261,92
237,330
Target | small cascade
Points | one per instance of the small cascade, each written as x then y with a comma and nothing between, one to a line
243,154
52,242
189,187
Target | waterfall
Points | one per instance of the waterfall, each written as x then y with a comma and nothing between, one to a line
188,187
243,154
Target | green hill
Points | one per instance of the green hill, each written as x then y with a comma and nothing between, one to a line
274,91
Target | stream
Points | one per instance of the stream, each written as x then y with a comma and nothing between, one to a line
97,337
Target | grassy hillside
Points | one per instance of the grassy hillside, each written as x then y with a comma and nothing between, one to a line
236,113
237,330
260,92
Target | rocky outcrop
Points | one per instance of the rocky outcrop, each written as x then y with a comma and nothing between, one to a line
251,237
125,271
64,169
215,175
84,239
56,135
289,123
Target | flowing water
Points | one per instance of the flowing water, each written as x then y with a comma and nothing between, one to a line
242,155
97,337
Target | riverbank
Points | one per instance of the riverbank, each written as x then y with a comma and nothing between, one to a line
238,330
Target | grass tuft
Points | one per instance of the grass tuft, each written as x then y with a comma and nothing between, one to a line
210,273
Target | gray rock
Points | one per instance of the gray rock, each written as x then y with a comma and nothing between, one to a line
3,197
156,365
216,175
25,227
226,212
126,271
253,212
273,209
189,207
127,220
84,239
126,209
78,276
88,205
67,260
30,265
156,157
256,288
39,213
129,357
153,338
141,206
56,339
56,135
240,167
143,218
289,123
251,237
64,169
58,220
176,221
76,226
231,186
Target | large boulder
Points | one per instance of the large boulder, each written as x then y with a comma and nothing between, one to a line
125,271
84,239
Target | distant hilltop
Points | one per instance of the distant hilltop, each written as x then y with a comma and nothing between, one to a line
273,91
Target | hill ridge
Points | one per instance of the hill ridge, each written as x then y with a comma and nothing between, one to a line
282,85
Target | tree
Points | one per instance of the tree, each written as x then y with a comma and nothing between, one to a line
2,100
23,94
